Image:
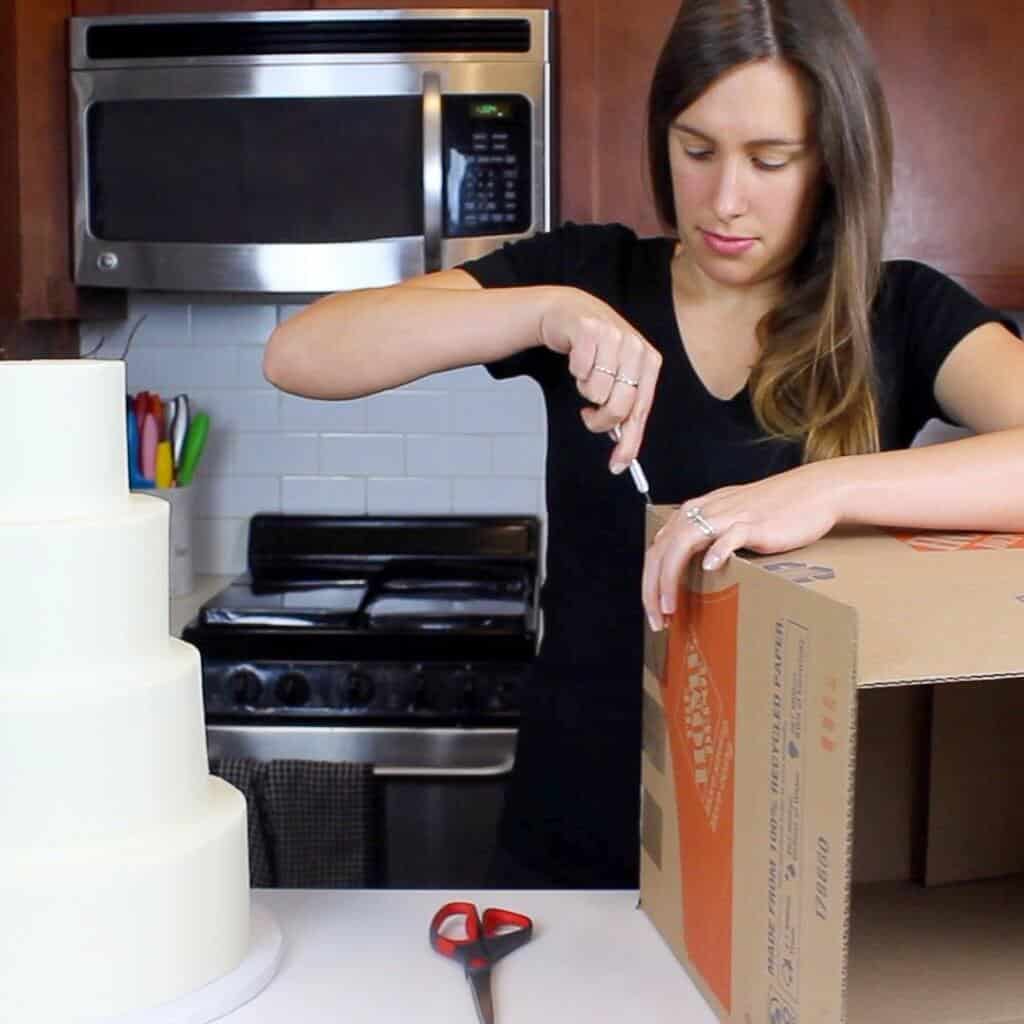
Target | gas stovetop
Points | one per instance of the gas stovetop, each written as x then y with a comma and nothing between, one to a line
357,619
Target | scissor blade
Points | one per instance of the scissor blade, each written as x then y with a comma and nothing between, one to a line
480,983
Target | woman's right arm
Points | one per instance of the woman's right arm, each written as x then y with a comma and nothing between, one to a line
360,342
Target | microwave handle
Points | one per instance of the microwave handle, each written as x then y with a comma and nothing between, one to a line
433,171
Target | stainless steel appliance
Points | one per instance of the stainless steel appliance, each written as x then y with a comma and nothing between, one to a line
395,641
305,151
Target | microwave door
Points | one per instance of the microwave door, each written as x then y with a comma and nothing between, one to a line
261,179
302,180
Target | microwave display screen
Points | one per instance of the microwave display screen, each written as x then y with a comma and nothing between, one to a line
486,165
267,170
492,108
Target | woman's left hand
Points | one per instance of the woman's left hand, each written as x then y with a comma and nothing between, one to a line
772,515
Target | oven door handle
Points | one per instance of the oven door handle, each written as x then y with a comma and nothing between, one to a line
424,752
487,771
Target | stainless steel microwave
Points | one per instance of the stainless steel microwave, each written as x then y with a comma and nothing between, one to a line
305,151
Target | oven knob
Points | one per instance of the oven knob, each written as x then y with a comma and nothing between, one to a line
293,689
441,695
501,698
357,690
468,688
246,688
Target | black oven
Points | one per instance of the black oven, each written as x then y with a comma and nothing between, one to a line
400,642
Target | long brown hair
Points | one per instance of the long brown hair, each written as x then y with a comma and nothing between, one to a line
814,378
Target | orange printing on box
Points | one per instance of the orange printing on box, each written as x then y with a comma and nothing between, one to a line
699,695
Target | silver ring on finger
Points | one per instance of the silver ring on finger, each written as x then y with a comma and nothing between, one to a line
697,518
605,369
623,379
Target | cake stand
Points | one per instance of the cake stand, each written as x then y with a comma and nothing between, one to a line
228,993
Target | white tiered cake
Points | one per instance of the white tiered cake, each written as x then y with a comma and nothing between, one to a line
123,863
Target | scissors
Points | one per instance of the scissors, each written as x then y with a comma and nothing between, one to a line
487,940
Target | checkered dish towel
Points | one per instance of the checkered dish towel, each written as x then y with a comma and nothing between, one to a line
312,824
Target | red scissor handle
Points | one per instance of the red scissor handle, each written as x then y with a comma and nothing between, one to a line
486,940
451,947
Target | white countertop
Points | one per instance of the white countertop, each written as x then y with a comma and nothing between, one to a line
184,609
363,957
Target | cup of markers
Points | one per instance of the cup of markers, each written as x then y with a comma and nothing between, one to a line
165,443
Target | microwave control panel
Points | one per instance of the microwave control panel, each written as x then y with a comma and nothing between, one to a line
486,143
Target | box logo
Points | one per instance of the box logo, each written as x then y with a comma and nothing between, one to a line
699,696
938,541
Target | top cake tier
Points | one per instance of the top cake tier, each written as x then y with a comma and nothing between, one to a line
63,451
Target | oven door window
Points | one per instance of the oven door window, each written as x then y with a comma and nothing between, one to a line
255,171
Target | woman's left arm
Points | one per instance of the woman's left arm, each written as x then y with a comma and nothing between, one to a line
976,483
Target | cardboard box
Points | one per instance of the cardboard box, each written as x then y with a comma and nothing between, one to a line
833,816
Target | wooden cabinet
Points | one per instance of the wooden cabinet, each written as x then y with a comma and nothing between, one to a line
36,295
608,51
950,70
952,75
34,261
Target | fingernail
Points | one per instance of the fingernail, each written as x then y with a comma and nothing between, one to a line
652,622
711,562
666,606
617,467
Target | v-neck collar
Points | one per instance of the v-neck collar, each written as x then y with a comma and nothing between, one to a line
676,347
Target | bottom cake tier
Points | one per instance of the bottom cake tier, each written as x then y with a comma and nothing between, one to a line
106,928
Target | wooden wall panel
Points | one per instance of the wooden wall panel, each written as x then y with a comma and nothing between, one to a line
10,189
38,339
952,75
38,138
608,51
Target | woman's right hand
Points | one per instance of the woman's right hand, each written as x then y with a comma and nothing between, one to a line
615,367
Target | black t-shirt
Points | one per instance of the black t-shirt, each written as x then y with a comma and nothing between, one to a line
574,807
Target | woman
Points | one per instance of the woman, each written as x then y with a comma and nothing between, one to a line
766,367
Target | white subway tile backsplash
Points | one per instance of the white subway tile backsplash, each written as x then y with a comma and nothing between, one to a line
937,431
150,365
322,416
504,409
335,495
520,455
454,442
236,496
448,455
219,545
287,311
465,378
250,368
478,496
232,323
162,319
362,455
408,496
151,321
267,454
407,410
233,410
203,367
215,460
